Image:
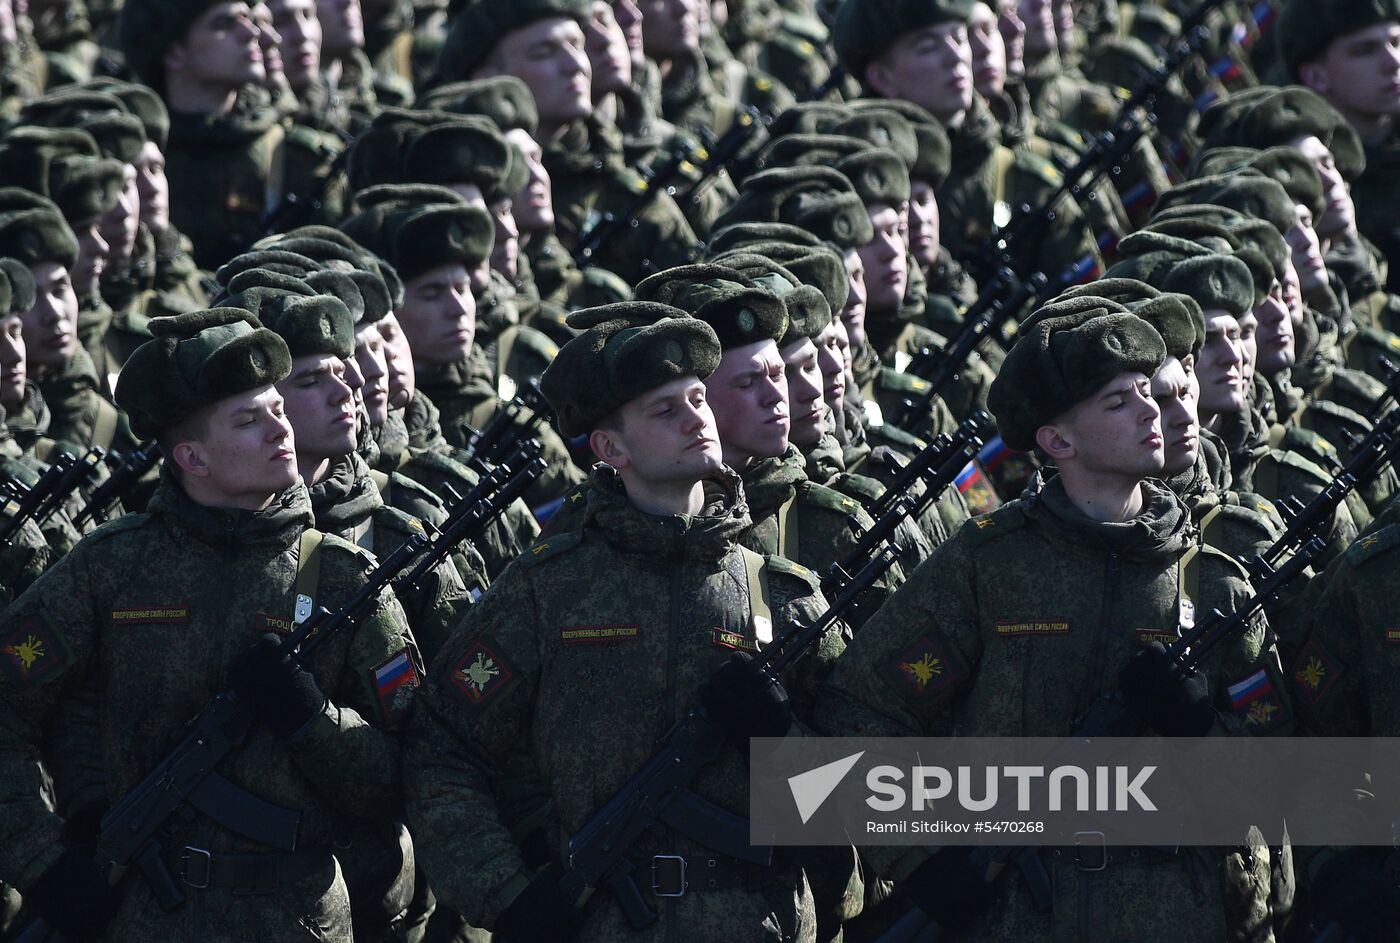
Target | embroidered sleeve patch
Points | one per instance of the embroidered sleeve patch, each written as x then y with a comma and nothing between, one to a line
265,622
585,634
1393,636
394,684
1315,672
30,653
927,665
1036,627
481,674
1255,701
733,640
166,615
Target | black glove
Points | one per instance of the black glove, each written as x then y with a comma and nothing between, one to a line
745,702
950,888
1164,696
73,896
281,694
541,914
82,825
1360,889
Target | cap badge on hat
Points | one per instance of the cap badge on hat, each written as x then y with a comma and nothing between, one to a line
257,359
746,320
843,227
675,353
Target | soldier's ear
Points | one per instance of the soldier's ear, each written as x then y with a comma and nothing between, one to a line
609,447
189,457
1315,77
879,77
1054,441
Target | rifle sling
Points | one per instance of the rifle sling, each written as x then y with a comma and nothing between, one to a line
308,574
760,603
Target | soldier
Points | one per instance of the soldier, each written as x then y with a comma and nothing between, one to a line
213,565
793,517
987,181
582,151
224,154
1345,52
64,375
960,650
528,673
432,247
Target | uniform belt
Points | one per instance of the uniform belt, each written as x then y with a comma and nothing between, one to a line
201,869
678,875
1092,852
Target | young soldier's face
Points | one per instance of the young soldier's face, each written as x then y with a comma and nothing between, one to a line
1306,250
1359,73
886,270
1220,370
438,315
748,394
50,327
667,435
988,51
1339,218
831,360
1175,396
925,224
670,28
119,224
1117,431
12,373
374,372
505,251
931,67
221,48
398,360
342,26
153,188
1249,346
92,256
548,56
533,206
247,454
1038,17
805,396
608,54
1274,344
853,315
297,24
320,406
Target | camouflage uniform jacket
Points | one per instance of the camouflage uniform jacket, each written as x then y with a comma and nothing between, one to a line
1012,628
144,618
347,504
79,412
585,652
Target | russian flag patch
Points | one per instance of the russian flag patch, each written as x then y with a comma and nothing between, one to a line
394,683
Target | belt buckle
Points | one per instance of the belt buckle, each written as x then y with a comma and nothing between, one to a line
193,854
668,876
1091,855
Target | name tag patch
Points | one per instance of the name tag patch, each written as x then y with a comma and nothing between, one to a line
733,640
165,615
1034,627
586,634
266,622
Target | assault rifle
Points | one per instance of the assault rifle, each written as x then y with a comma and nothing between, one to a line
38,503
659,792
513,424
298,209
128,835
1108,716
1312,520
130,468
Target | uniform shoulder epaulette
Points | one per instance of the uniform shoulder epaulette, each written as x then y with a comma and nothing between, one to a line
536,342
1038,167
1291,459
321,143
1233,566
1254,502
896,438
1004,520
1370,545
1310,445
901,382
333,544
861,487
1259,514
399,523
425,504
1358,385
776,564
1338,413
118,525
811,494
542,550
